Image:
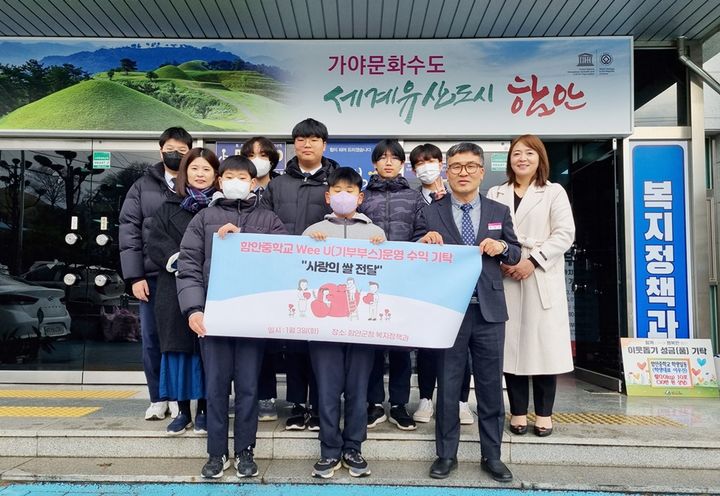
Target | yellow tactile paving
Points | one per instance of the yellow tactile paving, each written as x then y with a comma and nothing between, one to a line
96,394
47,411
610,419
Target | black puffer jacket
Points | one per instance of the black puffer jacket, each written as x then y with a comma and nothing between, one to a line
299,201
143,200
166,232
196,245
394,206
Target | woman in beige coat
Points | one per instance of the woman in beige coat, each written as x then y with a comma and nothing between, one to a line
537,336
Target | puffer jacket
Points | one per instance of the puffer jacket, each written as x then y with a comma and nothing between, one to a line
299,201
196,245
393,206
141,203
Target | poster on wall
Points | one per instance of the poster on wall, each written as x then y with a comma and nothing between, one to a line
449,88
341,290
669,367
660,240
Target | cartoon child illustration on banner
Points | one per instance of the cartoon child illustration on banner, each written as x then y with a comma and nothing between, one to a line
303,294
371,300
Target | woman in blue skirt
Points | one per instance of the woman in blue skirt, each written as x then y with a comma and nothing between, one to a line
181,370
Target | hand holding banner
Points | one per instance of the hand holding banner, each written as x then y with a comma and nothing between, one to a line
290,287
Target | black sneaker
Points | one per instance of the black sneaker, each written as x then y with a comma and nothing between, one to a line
400,417
376,415
326,467
245,463
215,467
355,463
313,421
298,417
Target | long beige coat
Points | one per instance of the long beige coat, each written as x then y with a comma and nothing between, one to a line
537,336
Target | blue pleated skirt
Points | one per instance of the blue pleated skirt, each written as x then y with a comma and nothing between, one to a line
182,376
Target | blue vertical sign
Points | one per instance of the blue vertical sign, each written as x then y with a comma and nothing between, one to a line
355,154
662,301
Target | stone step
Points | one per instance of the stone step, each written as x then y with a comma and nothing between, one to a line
589,445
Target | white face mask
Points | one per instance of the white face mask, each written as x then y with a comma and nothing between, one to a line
262,165
428,173
235,189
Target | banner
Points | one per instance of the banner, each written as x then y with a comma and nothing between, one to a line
351,291
669,367
660,240
459,88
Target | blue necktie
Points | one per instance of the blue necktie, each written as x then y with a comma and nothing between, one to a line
468,233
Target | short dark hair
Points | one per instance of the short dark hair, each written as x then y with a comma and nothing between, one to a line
238,163
181,181
388,145
543,171
176,133
310,128
424,153
266,146
345,174
467,147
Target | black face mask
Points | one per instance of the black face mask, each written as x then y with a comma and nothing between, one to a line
172,160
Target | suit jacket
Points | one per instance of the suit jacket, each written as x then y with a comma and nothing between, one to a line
438,217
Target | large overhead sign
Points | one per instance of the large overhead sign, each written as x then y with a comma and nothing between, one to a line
441,88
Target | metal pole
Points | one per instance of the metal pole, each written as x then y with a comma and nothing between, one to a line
705,76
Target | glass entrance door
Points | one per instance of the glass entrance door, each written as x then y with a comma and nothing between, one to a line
64,308
596,287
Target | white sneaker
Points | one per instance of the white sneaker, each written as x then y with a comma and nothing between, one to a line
156,411
424,411
174,409
466,416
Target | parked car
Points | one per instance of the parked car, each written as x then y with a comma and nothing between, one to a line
83,283
31,316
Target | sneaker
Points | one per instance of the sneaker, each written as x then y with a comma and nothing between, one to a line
424,411
466,415
174,409
245,463
200,423
156,411
400,417
266,410
215,467
298,417
313,421
178,426
326,467
355,463
376,415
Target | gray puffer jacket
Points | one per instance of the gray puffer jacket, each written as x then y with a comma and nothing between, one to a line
298,200
394,206
141,204
196,245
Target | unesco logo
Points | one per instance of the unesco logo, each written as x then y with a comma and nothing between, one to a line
585,60
606,59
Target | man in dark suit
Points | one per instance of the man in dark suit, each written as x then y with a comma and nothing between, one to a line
465,217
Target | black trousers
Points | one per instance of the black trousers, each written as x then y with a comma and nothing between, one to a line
226,361
427,374
399,380
485,340
267,382
544,387
341,369
300,378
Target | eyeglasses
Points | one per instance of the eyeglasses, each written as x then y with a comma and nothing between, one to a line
389,158
470,167
312,141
